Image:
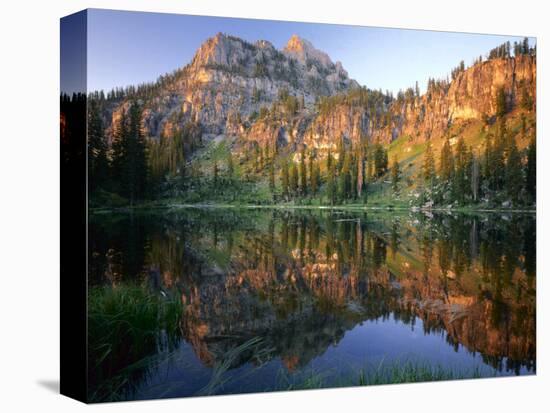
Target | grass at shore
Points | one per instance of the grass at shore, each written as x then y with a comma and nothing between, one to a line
127,324
389,373
124,326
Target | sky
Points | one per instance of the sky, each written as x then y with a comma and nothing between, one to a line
127,48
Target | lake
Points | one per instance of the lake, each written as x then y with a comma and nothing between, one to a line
196,301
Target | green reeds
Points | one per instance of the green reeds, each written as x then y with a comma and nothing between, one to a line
392,373
127,325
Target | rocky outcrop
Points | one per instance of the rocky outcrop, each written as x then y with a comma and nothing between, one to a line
231,77
471,95
231,81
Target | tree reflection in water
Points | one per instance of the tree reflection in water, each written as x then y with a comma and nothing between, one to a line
295,282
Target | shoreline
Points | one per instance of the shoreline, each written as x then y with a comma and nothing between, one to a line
355,208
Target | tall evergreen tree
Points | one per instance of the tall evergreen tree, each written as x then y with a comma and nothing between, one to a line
428,167
525,46
182,169
501,144
514,174
487,171
531,171
314,175
341,153
230,167
316,178
501,102
474,180
331,184
494,163
135,165
303,173
119,150
353,175
446,165
98,165
526,99
293,178
360,168
461,186
285,180
380,161
395,175
344,181
272,178
215,173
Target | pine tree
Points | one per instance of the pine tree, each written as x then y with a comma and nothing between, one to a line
493,163
352,194
501,102
119,155
474,181
317,177
525,46
329,161
341,154
369,169
182,168
500,147
98,165
344,183
531,171
303,173
428,168
331,184
215,173
135,162
360,168
514,174
230,167
526,99
487,171
293,179
395,175
272,178
380,161
446,165
285,180
462,171
314,175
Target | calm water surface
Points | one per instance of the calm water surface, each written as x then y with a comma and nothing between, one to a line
223,301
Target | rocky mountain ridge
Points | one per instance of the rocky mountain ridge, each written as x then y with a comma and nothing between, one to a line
299,97
230,78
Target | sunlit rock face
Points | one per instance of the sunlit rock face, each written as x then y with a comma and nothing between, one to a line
230,81
229,76
471,95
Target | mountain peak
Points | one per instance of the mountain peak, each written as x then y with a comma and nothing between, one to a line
297,44
303,50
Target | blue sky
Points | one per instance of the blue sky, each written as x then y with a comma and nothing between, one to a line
131,47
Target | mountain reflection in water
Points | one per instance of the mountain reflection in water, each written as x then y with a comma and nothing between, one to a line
271,295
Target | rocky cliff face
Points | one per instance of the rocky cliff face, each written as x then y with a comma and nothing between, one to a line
230,81
471,95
